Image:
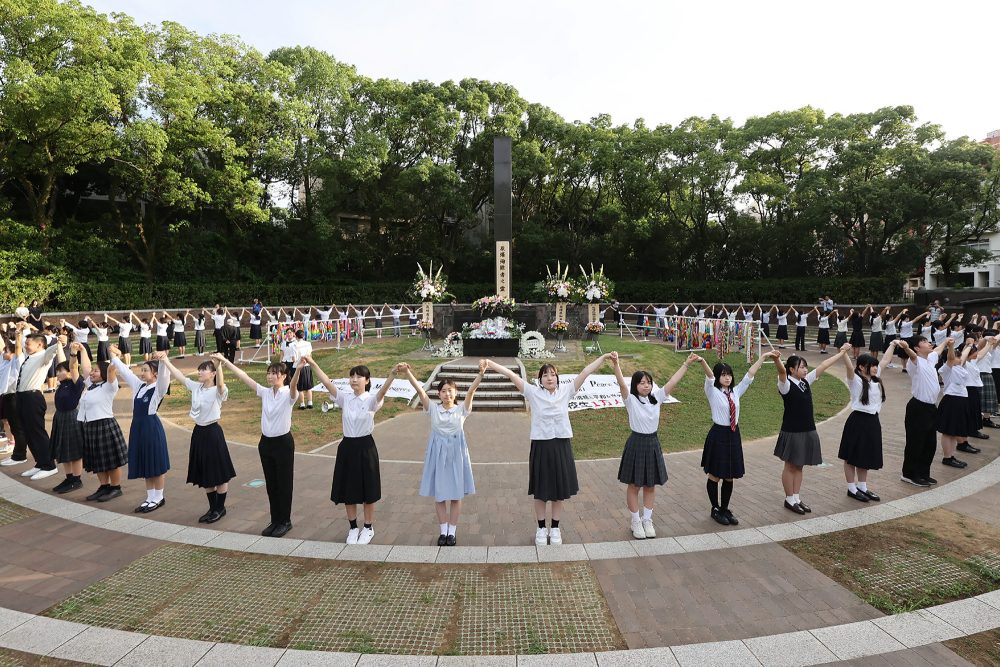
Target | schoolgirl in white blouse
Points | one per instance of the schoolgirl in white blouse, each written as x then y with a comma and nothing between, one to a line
551,467
356,476
642,465
104,448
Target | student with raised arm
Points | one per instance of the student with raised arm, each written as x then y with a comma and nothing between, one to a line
105,452
798,443
722,457
802,320
447,466
891,333
551,468
356,476
642,465
782,332
148,458
765,319
145,338
124,332
67,433
953,410
276,446
209,464
861,440
198,326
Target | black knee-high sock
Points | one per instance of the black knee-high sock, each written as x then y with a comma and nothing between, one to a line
212,495
713,493
220,501
727,492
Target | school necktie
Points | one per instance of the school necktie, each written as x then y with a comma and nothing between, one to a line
732,411
802,385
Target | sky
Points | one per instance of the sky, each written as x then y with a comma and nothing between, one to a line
661,61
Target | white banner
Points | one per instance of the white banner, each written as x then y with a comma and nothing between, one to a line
399,388
597,392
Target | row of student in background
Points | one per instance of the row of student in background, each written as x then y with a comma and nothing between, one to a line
85,435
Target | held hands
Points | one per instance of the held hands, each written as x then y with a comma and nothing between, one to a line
161,355
846,347
75,347
692,359
403,367
901,344
218,356
482,366
116,353
614,358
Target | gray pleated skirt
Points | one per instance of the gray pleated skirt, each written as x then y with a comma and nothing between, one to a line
799,449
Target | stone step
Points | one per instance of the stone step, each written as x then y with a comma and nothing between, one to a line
483,395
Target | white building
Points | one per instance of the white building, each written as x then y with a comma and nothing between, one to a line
981,275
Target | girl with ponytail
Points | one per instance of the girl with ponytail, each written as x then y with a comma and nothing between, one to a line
861,442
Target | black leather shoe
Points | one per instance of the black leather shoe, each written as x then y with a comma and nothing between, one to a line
930,480
719,516
281,529
952,462
858,495
968,449
215,515
805,507
152,507
204,517
442,540
109,494
795,508
989,423
733,521
871,495
980,435
97,494
267,532
451,541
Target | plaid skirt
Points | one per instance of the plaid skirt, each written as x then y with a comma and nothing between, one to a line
67,436
642,461
988,395
104,446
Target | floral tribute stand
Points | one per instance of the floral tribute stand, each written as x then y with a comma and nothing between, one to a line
430,288
497,334
592,289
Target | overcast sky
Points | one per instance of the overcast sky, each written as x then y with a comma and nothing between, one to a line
661,61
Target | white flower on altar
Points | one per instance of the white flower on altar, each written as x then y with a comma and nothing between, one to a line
593,292
563,291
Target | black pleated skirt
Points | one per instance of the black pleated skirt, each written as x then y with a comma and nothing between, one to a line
209,463
799,448
823,336
305,379
145,345
552,470
255,332
642,461
888,339
356,477
974,406
67,436
782,332
125,345
723,453
953,416
180,339
840,339
162,344
103,353
875,344
857,338
861,441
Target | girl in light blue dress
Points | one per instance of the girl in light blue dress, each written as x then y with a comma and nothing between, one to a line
447,467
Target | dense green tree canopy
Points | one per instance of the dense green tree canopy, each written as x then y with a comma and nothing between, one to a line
152,151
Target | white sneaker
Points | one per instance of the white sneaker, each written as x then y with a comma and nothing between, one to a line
555,537
366,535
647,528
352,536
11,462
31,472
541,537
891,365
42,474
637,531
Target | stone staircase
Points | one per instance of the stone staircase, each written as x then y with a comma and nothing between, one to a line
495,394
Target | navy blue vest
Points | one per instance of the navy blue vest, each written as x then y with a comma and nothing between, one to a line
798,417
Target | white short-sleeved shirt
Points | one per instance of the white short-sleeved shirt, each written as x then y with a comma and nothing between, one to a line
803,319
765,317
874,394
643,416
718,402
906,329
926,331
199,324
890,328
959,337
288,351
923,378
125,329
254,318
301,348
324,314
144,331
395,312
80,335
783,320
206,402
876,324
984,362
447,422
138,387
955,380
102,334
842,325
9,368
276,411
161,328
660,313
218,321
549,411
995,358
97,401
358,412
974,379
824,322
178,326
784,387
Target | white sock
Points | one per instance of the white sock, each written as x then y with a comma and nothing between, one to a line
863,486
635,516
444,529
150,494
852,487
647,513
796,501
790,500
451,529
310,403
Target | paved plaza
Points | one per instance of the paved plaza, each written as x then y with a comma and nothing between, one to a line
695,594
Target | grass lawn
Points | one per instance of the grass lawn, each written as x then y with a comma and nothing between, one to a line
597,433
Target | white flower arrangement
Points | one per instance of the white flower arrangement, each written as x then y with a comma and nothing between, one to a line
494,328
428,286
533,353
452,346
557,287
593,287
